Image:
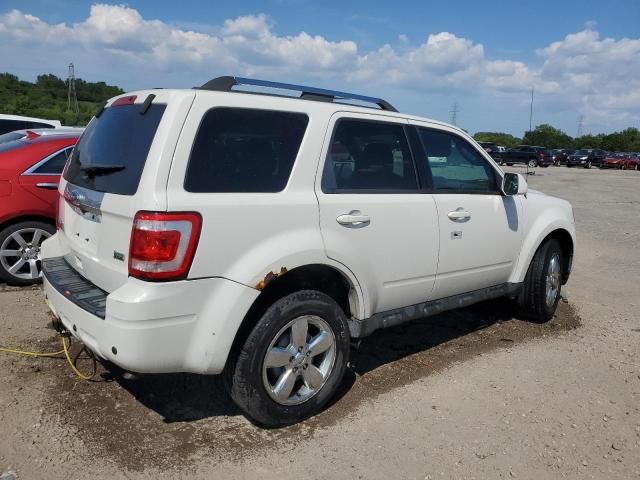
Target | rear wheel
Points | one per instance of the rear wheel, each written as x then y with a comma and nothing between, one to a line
532,163
20,260
292,362
543,283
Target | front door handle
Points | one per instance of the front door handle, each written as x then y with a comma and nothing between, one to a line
47,186
459,215
355,218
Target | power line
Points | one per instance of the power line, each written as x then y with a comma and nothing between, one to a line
72,98
454,113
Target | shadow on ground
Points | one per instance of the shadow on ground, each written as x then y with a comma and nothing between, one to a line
167,418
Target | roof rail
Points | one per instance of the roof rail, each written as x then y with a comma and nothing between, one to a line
226,84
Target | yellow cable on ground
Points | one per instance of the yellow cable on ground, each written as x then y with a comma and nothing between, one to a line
31,354
65,350
73,367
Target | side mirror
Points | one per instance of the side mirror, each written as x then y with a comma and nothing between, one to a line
514,184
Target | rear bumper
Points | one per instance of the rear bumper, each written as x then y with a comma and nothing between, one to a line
185,326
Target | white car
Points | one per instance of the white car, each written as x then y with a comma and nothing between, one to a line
215,230
9,123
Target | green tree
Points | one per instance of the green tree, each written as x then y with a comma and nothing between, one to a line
547,136
499,138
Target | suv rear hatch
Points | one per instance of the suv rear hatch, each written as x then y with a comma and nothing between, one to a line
118,167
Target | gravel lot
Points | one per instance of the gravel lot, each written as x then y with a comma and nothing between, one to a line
470,394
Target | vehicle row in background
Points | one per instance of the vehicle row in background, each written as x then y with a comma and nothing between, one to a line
30,168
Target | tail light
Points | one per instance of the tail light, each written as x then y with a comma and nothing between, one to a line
163,245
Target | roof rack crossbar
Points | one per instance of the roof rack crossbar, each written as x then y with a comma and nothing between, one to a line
226,84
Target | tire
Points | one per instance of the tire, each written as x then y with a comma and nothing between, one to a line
20,263
252,385
510,164
532,163
588,165
543,283
623,167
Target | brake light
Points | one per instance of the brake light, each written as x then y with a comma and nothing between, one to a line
129,100
59,207
163,245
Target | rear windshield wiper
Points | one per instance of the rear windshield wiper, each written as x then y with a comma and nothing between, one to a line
94,169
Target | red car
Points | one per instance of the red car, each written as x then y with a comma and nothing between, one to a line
29,172
623,161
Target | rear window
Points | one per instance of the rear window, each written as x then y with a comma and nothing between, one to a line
11,136
10,145
244,150
120,137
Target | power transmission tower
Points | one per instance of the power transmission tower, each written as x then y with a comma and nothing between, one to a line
580,126
454,113
72,98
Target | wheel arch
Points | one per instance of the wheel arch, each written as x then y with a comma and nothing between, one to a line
558,229
26,218
317,276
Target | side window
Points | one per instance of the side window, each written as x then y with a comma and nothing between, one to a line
456,167
244,150
369,156
55,164
9,126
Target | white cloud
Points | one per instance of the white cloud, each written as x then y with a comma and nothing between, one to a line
582,72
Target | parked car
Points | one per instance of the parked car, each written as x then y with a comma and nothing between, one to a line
9,123
38,132
586,157
214,231
492,149
559,156
532,156
622,161
30,169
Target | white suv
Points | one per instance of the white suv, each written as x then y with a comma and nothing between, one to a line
221,229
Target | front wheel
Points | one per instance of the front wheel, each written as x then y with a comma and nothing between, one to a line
588,165
292,362
542,285
532,163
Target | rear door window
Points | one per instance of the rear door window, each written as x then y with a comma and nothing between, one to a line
244,150
55,164
119,137
369,157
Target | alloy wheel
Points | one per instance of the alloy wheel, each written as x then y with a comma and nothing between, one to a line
299,360
20,253
552,280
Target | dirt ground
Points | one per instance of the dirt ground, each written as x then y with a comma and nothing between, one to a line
468,394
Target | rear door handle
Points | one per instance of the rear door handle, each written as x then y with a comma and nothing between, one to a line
459,215
354,218
47,186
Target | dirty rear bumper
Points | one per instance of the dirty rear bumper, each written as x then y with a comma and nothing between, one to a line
184,326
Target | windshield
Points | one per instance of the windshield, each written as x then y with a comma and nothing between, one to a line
110,155
583,152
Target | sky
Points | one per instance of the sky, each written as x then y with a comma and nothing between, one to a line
581,57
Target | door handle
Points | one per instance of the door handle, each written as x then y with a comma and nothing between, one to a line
354,218
459,215
47,186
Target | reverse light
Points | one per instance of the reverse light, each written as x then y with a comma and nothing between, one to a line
163,245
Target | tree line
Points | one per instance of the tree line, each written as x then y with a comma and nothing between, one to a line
47,98
627,140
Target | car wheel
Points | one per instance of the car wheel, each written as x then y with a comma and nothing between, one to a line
532,163
588,165
20,261
543,283
623,167
509,164
292,362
